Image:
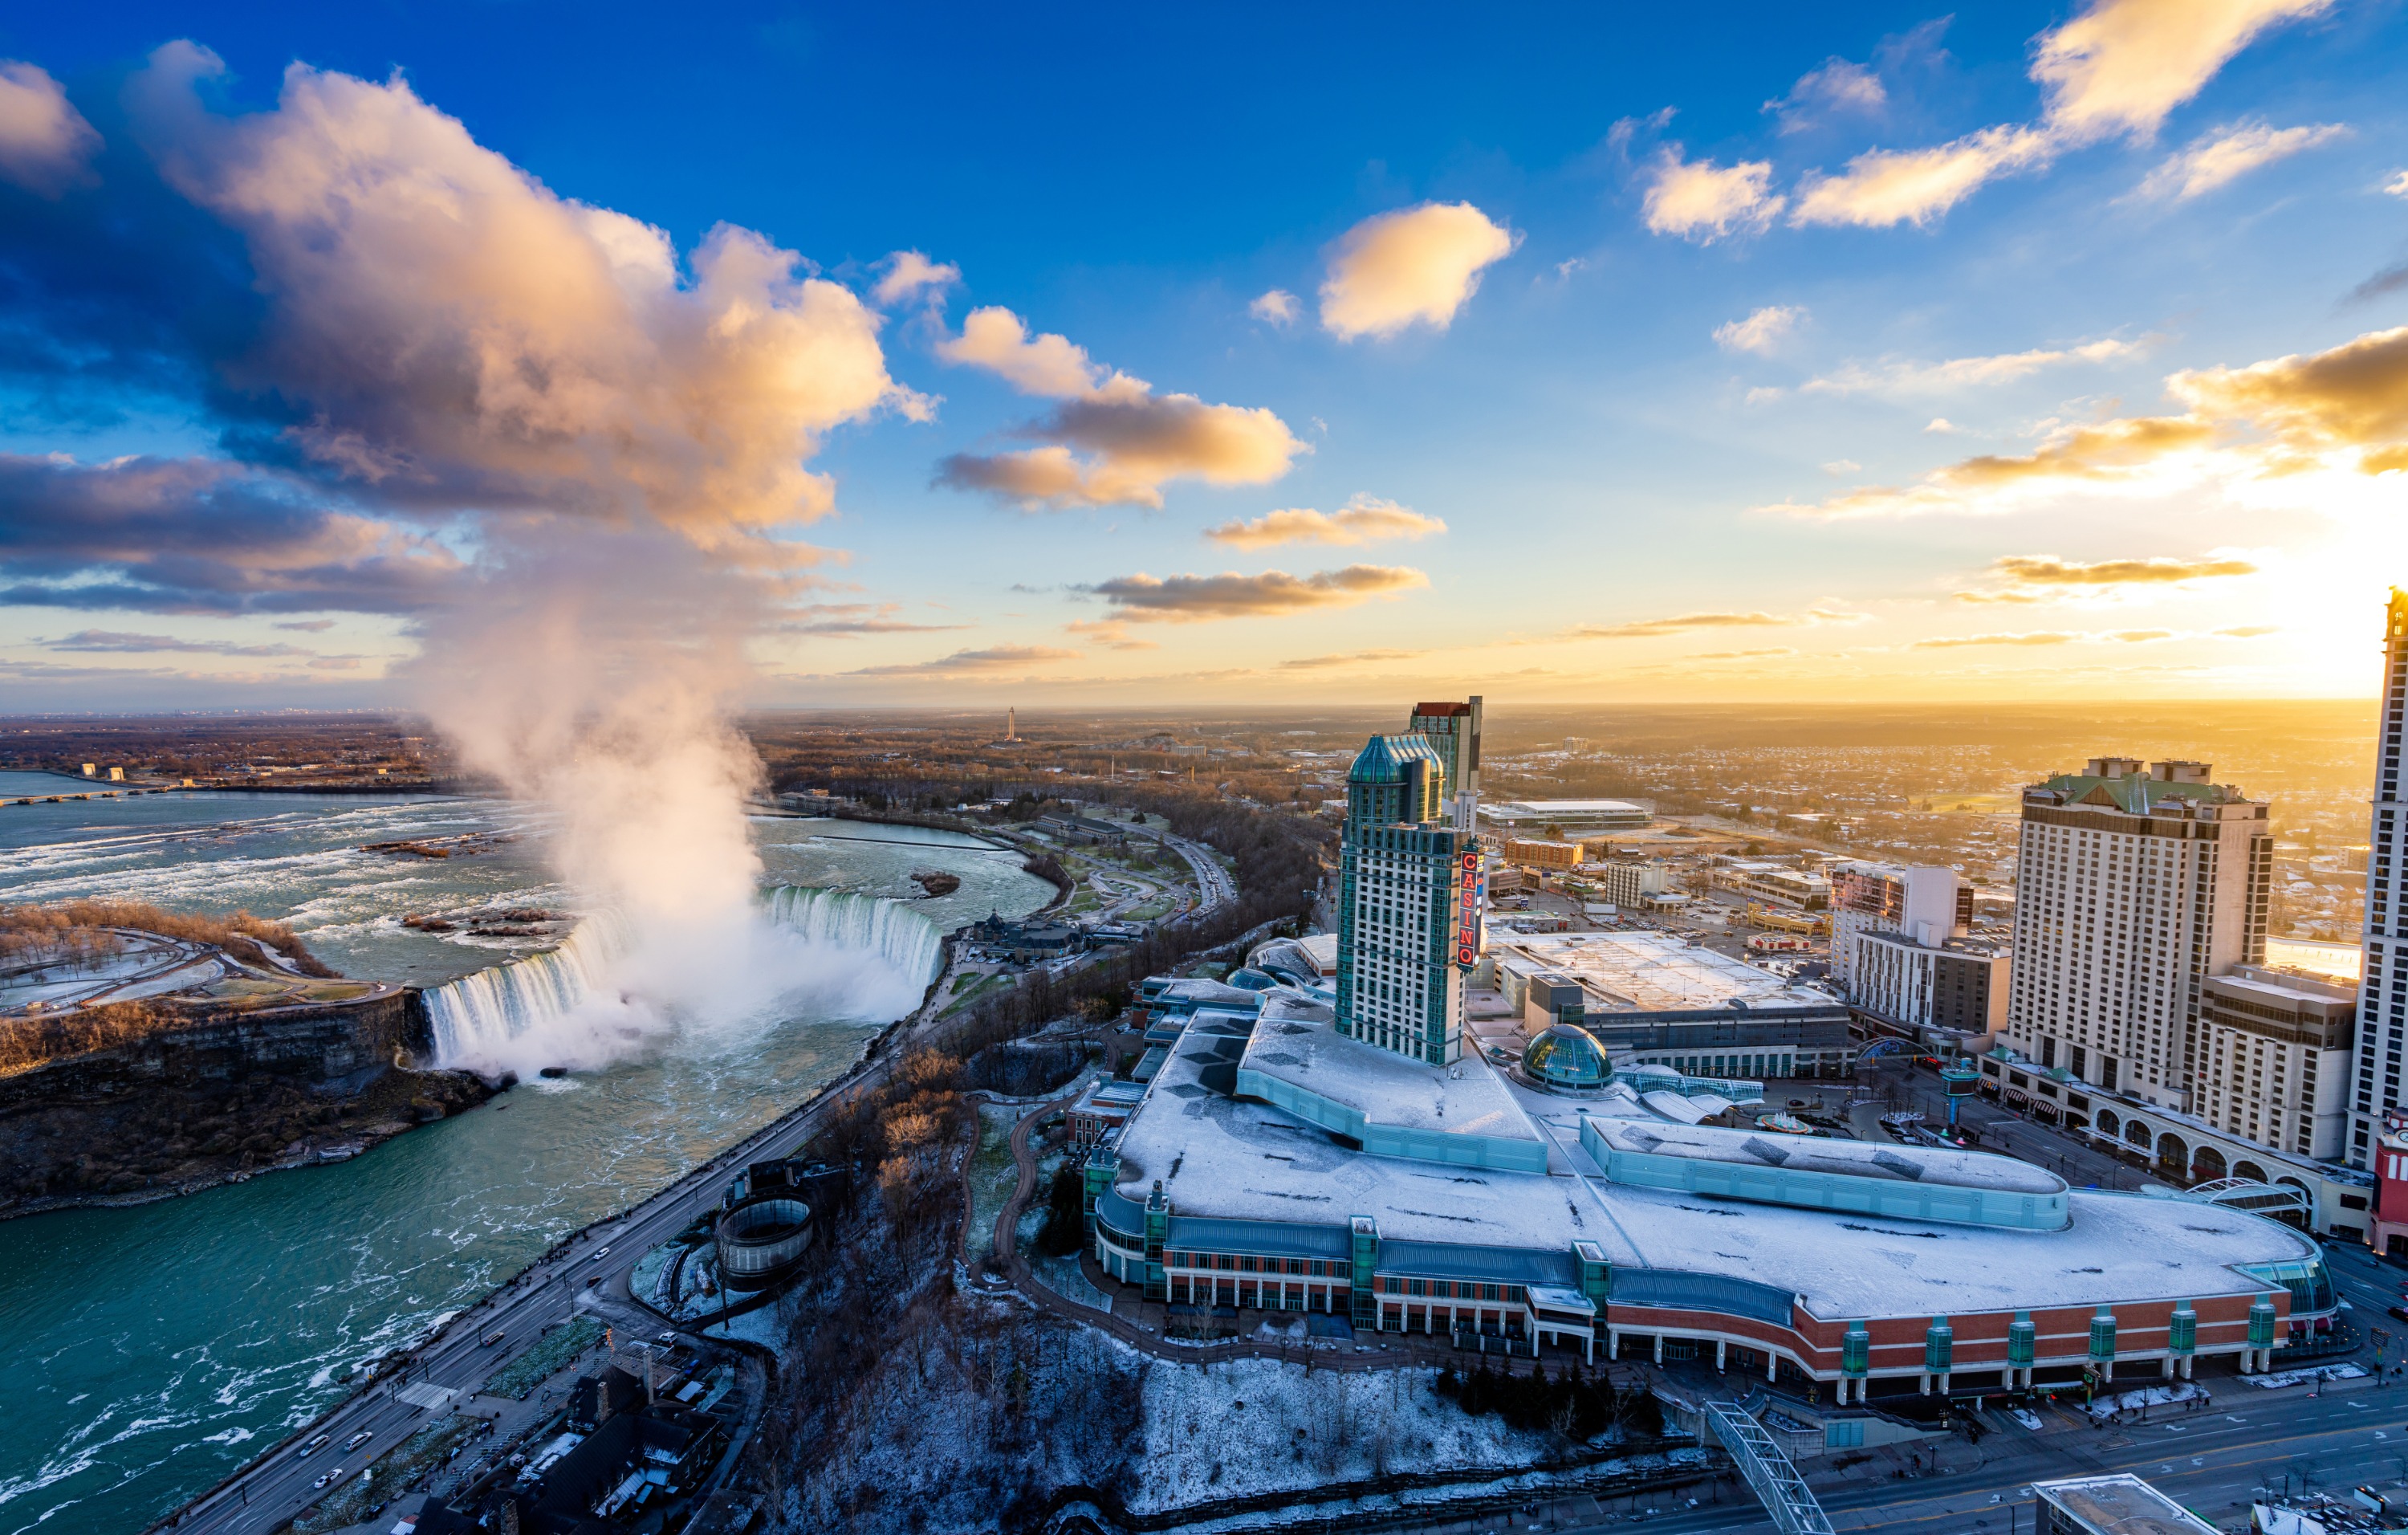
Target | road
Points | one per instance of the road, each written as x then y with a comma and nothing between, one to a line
1213,883
2215,1462
554,1289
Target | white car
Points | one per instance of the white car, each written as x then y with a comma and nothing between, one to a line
357,1440
331,1476
317,1443
600,1253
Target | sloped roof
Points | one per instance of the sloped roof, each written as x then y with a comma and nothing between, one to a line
2135,793
1383,760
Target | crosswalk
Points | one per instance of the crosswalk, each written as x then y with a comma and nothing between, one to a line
427,1395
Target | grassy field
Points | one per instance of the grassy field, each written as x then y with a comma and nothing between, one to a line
389,1475
993,1175
536,1366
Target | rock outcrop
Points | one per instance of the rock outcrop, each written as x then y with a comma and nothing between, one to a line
221,1093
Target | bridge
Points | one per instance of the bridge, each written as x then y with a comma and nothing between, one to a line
1768,1472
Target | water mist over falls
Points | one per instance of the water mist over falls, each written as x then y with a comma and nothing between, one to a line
613,989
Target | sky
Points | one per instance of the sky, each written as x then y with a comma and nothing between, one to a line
1082,357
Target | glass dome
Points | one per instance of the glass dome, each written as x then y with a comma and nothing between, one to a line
1566,1056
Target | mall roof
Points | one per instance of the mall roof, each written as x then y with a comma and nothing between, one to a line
1385,1087
1653,972
1847,1158
1249,1169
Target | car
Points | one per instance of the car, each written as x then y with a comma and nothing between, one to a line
357,1440
317,1443
2399,1314
492,1338
324,1482
600,1253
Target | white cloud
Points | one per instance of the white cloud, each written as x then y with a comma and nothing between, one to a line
911,275
1881,188
1364,519
458,333
1135,440
1841,465
1941,426
1761,331
2231,152
997,339
46,145
1278,307
2122,65
1142,598
2398,185
1414,266
1896,379
1698,199
1838,87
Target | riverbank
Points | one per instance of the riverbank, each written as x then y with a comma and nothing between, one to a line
221,1093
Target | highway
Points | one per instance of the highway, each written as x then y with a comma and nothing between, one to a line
454,1363
2213,1461
457,1361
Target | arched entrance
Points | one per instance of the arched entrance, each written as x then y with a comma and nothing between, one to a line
2109,1123
2136,1133
2173,1156
2206,1164
2250,1170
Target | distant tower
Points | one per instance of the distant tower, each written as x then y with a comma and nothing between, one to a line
1452,730
2380,1047
1011,724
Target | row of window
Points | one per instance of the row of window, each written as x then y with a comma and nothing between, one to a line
1247,1263
1448,1289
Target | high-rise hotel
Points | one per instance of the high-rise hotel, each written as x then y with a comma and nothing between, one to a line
2374,1090
2134,887
1410,889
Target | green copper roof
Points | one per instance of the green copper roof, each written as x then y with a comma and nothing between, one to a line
2135,793
1383,760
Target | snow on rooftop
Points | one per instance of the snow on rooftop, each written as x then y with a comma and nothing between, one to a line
1845,1158
1220,1156
2119,1247
1651,973
1384,1088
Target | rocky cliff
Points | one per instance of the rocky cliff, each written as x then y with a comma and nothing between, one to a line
221,1093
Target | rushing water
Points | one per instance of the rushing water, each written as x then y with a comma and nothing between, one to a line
150,1350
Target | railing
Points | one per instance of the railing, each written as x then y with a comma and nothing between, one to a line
1770,1475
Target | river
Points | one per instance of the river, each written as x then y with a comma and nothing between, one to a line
150,1350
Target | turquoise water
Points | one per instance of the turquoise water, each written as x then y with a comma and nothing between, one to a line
151,1350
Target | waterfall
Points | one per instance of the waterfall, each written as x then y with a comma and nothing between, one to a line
601,994
895,932
480,1014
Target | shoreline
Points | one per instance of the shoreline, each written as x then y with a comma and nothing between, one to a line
368,1136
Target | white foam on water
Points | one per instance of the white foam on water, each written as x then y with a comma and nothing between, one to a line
612,991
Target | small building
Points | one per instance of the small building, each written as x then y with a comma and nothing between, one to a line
1521,817
1002,938
1105,1106
1544,854
1959,986
2120,1504
1633,885
1770,882
2274,1052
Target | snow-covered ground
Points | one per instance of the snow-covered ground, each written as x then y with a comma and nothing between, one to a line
1243,1427
2153,1396
2300,1377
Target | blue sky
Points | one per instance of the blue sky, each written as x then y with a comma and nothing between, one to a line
1732,352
